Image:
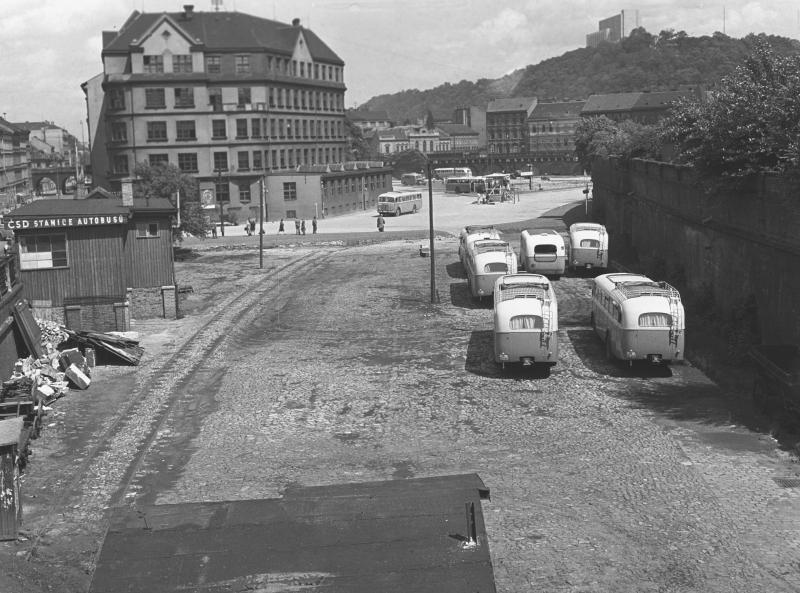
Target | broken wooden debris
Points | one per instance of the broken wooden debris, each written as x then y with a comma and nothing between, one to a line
125,349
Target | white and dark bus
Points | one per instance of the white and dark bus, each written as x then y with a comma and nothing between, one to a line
399,202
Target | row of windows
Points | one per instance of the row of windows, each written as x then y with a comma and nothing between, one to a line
246,160
353,184
277,97
186,130
154,64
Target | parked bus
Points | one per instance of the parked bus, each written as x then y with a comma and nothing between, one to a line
486,260
588,246
412,179
399,202
465,185
637,318
472,233
525,321
542,252
445,172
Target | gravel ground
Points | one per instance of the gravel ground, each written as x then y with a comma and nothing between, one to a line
331,364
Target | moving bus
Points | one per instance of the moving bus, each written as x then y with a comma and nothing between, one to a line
525,321
588,246
486,260
543,252
399,202
637,318
465,185
445,172
472,233
412,179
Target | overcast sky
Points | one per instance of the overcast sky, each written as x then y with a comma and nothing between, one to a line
49,47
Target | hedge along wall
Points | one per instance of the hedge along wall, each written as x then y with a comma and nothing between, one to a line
736,251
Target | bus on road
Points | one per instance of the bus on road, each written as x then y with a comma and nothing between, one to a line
399,202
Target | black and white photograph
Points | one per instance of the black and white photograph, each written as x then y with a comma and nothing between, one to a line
383,296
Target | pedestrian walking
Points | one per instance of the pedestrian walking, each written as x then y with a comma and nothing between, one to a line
381,223
252,226
314,225
247,227
303,226
214,231
297,226
281,229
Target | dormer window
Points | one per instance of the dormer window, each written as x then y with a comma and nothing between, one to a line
153,64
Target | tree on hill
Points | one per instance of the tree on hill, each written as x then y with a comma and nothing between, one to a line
749,123
601,137
165,181
666,61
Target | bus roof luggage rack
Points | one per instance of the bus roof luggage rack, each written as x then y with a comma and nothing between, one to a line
633,289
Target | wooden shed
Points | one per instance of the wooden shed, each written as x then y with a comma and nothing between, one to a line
94,263
425,535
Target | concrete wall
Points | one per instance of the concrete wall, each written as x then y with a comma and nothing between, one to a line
734,252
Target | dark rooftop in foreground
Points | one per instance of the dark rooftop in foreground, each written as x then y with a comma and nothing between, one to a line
370,537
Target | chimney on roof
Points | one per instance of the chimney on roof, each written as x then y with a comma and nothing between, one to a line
188,11
295,22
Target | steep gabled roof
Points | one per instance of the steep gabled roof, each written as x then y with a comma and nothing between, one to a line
659,99
222,31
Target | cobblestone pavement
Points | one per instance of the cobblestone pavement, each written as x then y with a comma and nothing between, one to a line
603,478
332,365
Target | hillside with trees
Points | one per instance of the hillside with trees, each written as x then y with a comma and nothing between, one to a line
641,62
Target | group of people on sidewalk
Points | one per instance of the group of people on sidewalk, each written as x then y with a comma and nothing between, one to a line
299,226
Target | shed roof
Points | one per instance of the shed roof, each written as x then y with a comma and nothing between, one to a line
388,536
221,31
93,206
610,102
511,104
561,110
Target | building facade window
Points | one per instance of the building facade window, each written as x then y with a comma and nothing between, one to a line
213,65
218,129
121,164
153,64
154,99
243,160
116,99
43,252
244,192
243,94
187,162
220,161
182,63
119,131
147,230
289,191
222,191
156,131
255,128
184,97
185,130
157,160
215,99
241,128
257,163
242,63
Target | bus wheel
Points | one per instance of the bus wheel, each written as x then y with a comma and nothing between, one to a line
397,212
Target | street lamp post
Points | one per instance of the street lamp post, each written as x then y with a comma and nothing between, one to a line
219,203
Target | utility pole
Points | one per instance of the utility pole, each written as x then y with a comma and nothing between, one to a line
261,219
434,294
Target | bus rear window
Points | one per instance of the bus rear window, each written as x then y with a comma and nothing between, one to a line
655,320
495,267
590,243
546,248
526,322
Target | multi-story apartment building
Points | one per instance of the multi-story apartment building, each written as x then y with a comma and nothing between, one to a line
428,140
392,140
474,118
15,165
614,29
224,96
462,138
507,125
641,107
551,127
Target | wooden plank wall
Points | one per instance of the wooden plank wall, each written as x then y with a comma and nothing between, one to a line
149,259
95,257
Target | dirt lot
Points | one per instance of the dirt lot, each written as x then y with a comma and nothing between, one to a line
331,364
